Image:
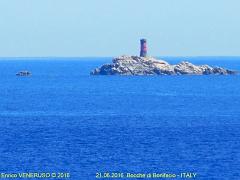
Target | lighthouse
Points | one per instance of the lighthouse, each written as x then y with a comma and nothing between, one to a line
143,49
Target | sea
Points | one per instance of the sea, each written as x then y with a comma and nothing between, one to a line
64,123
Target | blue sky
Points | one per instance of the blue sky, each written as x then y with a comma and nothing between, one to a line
114,27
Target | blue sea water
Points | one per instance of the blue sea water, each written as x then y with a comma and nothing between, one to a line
61,119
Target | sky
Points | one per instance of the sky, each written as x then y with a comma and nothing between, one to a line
81,28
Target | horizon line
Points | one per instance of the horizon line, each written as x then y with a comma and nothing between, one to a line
3,57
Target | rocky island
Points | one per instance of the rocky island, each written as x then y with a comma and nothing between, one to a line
144,65
135,65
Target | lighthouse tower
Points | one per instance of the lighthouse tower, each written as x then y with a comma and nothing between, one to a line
143,50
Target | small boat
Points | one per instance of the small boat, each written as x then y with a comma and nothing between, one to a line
23,73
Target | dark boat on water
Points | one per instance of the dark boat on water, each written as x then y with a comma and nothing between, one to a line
24,73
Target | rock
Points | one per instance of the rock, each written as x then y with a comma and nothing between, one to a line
134,65
23,73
